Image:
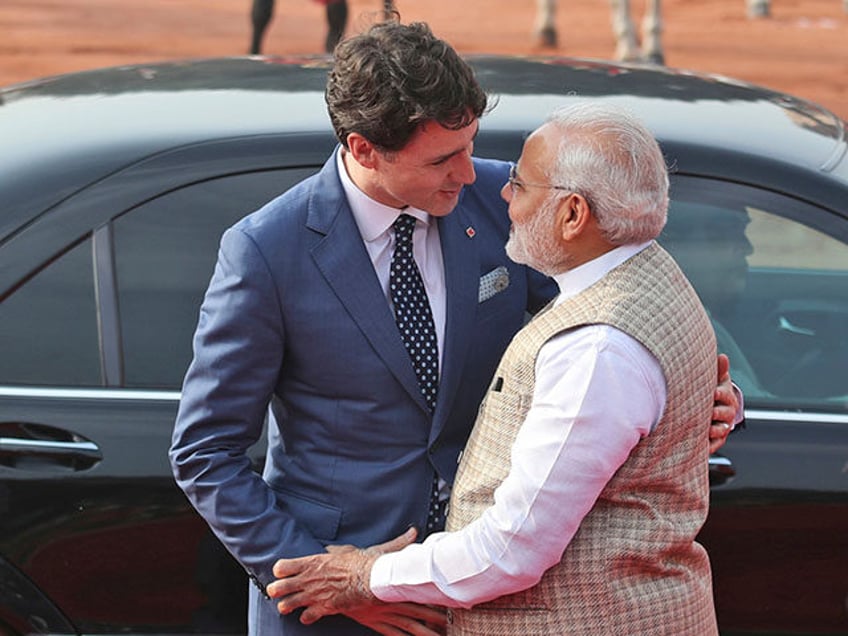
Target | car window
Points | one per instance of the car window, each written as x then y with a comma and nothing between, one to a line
48,327
165,252
773,274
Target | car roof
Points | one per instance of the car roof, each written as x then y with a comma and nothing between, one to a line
73,129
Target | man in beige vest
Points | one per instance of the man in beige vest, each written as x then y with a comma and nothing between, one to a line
585,480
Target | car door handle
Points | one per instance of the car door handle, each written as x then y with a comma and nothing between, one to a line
38,447
721,470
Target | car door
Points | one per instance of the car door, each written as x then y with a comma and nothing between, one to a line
773,273
95,537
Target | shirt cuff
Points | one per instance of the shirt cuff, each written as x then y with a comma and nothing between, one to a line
380,581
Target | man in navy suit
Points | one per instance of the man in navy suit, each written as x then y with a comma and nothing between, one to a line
298,324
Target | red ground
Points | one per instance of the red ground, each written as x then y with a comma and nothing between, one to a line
802,49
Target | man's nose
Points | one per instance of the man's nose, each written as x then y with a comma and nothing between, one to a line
463,168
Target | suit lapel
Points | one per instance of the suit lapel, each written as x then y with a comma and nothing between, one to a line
460,255
344,262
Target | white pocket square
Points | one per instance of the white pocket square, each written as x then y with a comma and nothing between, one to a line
493,283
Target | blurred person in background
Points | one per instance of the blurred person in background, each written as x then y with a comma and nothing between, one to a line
712,248
263,10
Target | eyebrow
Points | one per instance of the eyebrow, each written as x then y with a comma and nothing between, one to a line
447,156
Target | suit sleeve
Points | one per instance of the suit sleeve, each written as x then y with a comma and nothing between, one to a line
238,353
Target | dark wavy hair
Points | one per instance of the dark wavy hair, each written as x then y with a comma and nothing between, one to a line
388,80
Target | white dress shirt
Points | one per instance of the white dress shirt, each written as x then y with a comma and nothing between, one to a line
374,221
598,392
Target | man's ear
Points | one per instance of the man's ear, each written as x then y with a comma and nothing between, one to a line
572,216
362,150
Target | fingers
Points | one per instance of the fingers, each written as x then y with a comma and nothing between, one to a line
434,615
290,567
723,367
339,549
332,582
725,396
289,604
722,415
725,389
398,543
401,619
310,614
316,608
292,575
719,430
726,402
422,629
388,629
718,435
280,588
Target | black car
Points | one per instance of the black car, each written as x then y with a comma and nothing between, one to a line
115,186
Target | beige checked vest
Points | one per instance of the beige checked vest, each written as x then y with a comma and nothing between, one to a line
633,568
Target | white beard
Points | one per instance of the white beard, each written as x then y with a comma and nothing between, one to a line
533,243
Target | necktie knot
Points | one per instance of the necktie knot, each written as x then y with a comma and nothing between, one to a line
404,226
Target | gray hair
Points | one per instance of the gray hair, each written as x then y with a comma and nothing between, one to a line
613,160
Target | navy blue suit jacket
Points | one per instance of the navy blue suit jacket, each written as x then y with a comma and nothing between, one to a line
296,325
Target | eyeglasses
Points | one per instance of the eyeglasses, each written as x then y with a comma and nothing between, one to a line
517,184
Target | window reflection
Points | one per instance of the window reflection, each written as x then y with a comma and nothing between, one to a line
165,253
48,327
776,290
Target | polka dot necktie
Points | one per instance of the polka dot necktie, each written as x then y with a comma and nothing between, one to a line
418,331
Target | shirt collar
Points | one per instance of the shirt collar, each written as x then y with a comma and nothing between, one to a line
576,280
372,217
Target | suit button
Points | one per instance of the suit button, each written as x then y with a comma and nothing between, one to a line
450,617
